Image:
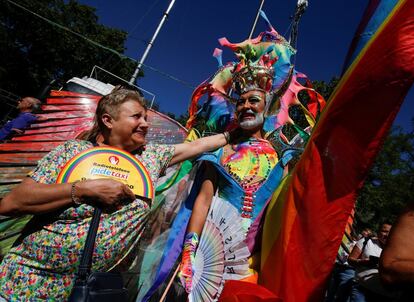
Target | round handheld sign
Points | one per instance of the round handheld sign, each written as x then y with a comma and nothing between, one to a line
109,162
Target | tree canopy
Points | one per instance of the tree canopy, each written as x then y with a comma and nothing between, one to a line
34,52
390,183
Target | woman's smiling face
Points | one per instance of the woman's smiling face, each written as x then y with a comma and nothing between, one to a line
129,127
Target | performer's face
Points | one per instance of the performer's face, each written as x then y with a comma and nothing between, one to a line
250,109
129,127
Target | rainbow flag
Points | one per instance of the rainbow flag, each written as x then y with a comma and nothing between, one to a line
306,219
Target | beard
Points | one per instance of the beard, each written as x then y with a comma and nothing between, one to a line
251,123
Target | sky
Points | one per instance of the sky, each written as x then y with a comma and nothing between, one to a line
185,44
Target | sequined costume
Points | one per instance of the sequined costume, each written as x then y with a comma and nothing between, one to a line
246,179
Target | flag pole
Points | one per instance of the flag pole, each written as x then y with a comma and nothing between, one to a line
257,18
150,43
164,295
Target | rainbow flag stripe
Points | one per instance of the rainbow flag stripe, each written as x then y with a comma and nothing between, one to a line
305,221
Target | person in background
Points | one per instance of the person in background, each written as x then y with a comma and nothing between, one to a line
364,258
343,274
397,259
366,233
27,107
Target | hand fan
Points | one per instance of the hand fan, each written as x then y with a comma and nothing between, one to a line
222,253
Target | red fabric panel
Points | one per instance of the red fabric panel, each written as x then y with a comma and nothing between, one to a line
239,291
30,158
37,131
76,107
58,136
64,122
29,147
71,101
63,93
67,114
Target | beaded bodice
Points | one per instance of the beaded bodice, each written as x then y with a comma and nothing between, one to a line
249,164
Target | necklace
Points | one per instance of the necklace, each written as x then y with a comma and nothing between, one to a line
251,163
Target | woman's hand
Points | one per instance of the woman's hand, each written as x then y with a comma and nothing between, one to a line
31,197
106,192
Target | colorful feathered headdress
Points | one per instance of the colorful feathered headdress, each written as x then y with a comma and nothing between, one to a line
264,63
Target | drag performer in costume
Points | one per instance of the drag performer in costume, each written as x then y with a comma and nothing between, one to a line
237,181
233,184
244,175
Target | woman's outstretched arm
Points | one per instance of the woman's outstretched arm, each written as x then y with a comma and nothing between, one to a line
186,151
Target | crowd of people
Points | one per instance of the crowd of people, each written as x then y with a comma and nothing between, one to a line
238,171
376,266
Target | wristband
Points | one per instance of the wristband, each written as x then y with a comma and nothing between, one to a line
226,136
75,199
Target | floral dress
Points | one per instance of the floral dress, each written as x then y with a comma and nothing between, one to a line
43,262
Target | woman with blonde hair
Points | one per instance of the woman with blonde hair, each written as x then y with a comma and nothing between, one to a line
43,262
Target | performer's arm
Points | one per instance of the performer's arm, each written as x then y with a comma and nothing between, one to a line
195,227
397,258
203,201
31,197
